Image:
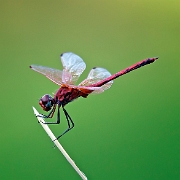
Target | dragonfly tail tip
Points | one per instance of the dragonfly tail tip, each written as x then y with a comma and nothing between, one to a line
155,58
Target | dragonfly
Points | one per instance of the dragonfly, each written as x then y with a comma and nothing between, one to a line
97,81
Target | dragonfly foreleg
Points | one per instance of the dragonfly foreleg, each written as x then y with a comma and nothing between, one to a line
50,115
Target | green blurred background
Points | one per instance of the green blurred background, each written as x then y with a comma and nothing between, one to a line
129,132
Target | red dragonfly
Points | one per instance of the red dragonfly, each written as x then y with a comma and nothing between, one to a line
98,80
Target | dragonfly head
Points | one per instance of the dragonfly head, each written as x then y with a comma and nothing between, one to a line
46,102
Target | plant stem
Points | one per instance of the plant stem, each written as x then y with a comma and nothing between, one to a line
59,146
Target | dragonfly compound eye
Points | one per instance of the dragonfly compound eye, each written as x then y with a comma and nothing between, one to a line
46,102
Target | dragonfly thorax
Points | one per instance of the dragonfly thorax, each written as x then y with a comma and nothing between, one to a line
67,94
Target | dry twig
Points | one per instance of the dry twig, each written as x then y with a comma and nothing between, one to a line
59,146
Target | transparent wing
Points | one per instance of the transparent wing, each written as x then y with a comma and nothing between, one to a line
88,90
95,75
91,90
73,67
54,75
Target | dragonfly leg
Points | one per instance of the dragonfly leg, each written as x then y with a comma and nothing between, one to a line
69,121
50,115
